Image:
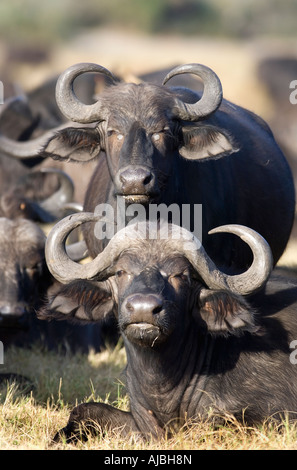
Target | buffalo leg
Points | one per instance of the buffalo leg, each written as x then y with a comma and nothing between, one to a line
89,418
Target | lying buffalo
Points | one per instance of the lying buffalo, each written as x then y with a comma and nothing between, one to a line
27,117
40,195
157,144
29,196
25,280
24,274
193,341
33,193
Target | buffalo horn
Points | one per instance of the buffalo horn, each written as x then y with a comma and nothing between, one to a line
56,203
66,270
246,283
68,102
30,148
211,98
77,251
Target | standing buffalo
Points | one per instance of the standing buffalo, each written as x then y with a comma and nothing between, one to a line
157,144
193,341
38,193
172,145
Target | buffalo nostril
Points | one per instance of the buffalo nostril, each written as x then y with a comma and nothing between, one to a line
147,179
138,177
129,307
140,304
157,309
123,177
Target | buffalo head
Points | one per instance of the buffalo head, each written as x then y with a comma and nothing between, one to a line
155,138
152,284
24,273
23,269
41,195
139,126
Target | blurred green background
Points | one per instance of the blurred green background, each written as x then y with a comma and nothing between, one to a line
39,39
55,20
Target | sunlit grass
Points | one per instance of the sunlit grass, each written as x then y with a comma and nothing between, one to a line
29,421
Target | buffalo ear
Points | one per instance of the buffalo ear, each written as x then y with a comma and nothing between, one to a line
73,144
226,313
79,301
205,142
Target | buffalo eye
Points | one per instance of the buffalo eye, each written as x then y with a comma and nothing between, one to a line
114,133
156,136
123,277
180,277
31,271
159,137
163,137
121,273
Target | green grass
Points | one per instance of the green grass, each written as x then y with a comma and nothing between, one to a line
68,377
60,381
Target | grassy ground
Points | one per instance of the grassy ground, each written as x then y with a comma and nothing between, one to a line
61,381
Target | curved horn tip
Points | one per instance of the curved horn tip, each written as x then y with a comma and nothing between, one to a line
211,97
65,269
257,275
85,67
241,231
193,68
66,99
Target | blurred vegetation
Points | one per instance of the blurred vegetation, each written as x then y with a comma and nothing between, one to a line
29,20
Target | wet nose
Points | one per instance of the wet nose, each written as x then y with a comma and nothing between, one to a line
143,306
136,180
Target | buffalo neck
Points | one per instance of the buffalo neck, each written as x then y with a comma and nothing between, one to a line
159,379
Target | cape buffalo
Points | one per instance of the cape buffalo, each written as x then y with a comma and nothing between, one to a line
22,266
194,342
171,145
37,194
40,194
25,118
25,280
157,144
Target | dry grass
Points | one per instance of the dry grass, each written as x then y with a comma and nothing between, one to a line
30,421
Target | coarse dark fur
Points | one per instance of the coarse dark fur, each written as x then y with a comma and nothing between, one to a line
189,349
25,280
229,162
